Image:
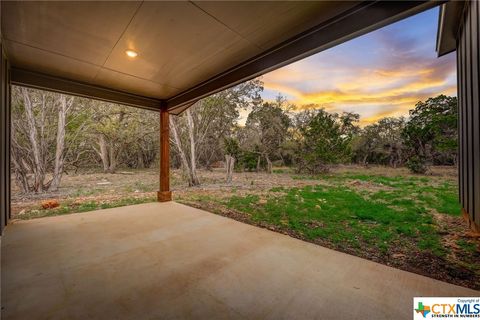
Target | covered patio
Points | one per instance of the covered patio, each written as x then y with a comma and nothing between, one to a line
167,260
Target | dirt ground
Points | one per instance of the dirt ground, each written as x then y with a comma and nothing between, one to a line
98,185
248,182
93,185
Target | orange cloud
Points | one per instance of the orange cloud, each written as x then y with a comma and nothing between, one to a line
397,90
381,74
383,105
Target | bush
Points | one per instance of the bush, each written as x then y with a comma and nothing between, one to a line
417,164
323,140
247,161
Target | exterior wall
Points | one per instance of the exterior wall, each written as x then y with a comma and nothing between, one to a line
468,70
4,140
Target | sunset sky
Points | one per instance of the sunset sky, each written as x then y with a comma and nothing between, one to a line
383,73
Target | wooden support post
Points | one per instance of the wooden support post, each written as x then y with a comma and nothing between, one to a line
164,194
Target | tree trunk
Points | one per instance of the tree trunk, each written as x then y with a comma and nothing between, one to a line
229,164
103,152
178,145
140,161
364,160
193,154
112,158
269,164
19,171
38,169
59,153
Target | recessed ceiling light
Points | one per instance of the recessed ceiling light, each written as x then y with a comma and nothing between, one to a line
131,53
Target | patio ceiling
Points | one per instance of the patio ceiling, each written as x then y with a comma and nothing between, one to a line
186,50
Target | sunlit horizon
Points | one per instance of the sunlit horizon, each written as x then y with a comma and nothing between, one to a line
381,74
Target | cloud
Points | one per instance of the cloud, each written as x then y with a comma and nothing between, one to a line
384,73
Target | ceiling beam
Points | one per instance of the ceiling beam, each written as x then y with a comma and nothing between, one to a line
41,81
361,19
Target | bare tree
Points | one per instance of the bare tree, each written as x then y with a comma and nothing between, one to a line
197,135
177,142
64,106
38,125
193,153
38,167
110,133
123,135
229,165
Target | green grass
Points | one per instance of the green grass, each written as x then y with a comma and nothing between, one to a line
344,217
394,211
69,206
467,245
443,198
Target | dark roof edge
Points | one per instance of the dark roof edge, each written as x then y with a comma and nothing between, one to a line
31,79
449,19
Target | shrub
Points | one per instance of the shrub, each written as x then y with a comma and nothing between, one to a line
417,164
248,161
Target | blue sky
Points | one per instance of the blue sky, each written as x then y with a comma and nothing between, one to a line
381,74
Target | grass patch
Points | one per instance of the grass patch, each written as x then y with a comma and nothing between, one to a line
344,217
467,245
382,214
69,206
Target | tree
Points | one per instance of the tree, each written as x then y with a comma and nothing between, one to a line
366,145
322,139
430,135
188,160
380,143
123,135
266,129
232,151
140,141
197,134
39,120
108,131
78,150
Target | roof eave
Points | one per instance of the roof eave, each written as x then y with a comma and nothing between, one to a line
449,19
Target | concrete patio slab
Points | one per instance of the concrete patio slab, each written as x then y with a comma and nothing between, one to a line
170,261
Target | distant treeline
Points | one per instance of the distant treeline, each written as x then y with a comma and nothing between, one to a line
53,133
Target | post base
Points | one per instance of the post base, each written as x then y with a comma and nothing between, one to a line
164,196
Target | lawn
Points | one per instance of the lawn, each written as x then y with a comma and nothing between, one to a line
385,215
